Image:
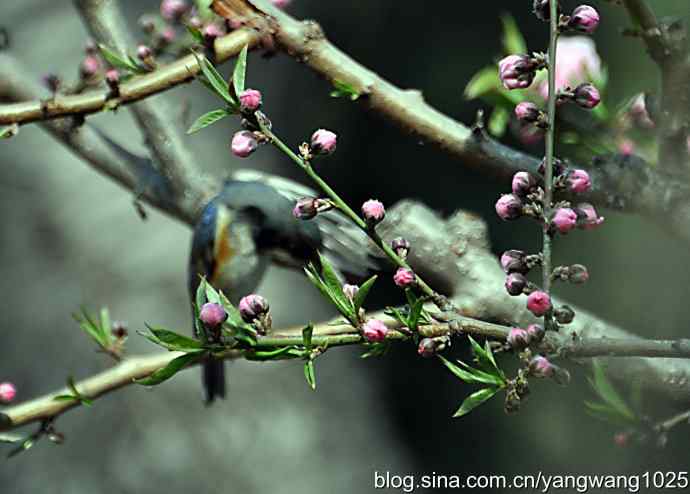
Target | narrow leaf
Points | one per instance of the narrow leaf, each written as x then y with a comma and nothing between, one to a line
173,341
120,62
9,131
513,40
171,369
471,375
309,374
207,119
474,400
362,293
239,74
307,334
607,392
214,79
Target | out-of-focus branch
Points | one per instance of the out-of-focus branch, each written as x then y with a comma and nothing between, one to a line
325,335
668,45
17,84
136,89
623,183
108,26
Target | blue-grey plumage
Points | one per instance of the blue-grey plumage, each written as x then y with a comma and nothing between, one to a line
238,234
249,225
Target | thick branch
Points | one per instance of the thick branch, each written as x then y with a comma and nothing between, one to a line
626,184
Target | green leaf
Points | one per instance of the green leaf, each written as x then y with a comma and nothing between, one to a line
484,81
196,34
215,81
9,438
498,121
65,398
329,285
474,400
9,131
106,326
607,413
471,375
208,119
416,308
239,74
344,90
362,293
376,349
173,341
120,62
309,374
603,387
513,40
307,334
289,352
24,446
89,326
212,295
173,367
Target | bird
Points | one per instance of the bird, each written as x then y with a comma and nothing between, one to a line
250,225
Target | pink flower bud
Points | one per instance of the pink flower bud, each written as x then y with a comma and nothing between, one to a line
516,71
323,142
211,32
518,338
626,147
305,208
584,19
587,216
112,77
577,273
173,10
404,277
374,331
143,52
212,314
514,261
7,392
579,181
523,184
253,307
527,112
427,348
373,211
536,332
515,284
350,291
250,100
401,247
587,96
168,35
564,220
90,66
243,143
541,367
564,315
509,207
538,303
281,4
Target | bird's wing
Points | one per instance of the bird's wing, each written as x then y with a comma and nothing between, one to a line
344,245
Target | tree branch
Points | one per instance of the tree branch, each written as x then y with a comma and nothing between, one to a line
668,47
623,183
326,335
136,89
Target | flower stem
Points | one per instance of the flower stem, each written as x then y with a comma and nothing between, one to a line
343,207
548,166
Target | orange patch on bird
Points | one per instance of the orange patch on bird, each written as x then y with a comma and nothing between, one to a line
223,251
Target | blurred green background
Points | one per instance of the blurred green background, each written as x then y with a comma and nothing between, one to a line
72,238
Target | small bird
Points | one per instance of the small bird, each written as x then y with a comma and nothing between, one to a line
249,225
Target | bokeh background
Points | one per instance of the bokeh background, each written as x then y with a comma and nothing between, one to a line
71,238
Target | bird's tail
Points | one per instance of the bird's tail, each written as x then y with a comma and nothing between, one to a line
214,380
